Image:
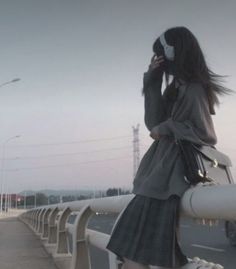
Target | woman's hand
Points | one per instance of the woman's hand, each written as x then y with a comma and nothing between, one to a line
155,69
154,133
156,63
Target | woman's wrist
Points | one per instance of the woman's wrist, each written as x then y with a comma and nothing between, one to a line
149,79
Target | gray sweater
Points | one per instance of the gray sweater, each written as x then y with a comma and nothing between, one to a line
161,172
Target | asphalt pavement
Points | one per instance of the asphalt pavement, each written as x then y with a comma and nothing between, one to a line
206,242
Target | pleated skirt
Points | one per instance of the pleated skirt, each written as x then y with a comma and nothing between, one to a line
146,232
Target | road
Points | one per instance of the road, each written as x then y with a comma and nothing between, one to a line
206,242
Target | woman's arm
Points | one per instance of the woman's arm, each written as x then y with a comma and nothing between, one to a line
192,119
154,105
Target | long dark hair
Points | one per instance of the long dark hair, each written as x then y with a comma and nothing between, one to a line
190,64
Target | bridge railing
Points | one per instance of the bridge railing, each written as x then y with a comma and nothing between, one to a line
63,227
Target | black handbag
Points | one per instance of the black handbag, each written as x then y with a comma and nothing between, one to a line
203,163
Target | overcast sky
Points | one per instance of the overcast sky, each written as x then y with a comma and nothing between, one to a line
81,66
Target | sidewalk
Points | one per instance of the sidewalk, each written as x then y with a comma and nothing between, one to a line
20,248
11,213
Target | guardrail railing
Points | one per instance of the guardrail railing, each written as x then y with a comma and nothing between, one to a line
63,227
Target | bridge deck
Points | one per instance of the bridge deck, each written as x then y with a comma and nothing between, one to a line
20,248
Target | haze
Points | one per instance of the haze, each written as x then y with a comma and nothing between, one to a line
81,65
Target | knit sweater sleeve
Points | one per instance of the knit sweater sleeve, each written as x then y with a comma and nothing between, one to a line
154,104
192,119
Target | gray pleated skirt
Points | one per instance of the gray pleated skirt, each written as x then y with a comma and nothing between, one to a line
146,232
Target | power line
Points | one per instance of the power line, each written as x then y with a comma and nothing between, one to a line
72,142
66,154
68,164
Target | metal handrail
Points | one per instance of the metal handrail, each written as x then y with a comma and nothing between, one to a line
209,203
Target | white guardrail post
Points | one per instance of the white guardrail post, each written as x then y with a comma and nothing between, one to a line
80,249
62,247
45,223
63,227
36,218
52,227
40,221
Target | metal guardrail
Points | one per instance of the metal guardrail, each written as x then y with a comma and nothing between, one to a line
63,227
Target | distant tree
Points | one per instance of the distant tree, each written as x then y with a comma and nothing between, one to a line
114,192
41,199
30,199
68,198
54,199
127,192
81,197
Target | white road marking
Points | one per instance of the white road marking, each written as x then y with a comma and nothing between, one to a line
210,248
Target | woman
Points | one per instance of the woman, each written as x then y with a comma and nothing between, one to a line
147,230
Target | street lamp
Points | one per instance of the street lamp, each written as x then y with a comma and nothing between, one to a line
2,169
25,201
10,81
35,199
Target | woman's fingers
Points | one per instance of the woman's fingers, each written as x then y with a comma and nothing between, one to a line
155,137
155,57
159,57
155,133
155,64
156,60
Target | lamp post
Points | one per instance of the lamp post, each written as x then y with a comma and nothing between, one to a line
2,169
25,200
35,199
3,154
10,81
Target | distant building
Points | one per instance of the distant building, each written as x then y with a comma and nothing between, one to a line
14,198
